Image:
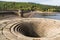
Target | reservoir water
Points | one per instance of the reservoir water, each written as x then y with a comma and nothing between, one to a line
50,16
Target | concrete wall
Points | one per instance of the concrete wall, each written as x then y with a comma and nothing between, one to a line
48,29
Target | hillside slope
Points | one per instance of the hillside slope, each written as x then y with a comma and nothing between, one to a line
28,6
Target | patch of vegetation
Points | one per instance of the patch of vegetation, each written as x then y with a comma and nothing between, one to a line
28,7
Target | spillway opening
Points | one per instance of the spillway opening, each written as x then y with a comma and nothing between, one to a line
37,29
26,29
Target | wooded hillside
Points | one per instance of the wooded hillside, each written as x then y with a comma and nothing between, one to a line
28,6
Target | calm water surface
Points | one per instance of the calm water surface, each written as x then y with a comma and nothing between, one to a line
51,16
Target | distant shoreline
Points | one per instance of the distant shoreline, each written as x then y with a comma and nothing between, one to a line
46,12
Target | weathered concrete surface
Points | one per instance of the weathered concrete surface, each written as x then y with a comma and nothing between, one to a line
47,29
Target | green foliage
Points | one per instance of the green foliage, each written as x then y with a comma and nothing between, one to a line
28,6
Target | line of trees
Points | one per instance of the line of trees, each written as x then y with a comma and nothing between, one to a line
28,7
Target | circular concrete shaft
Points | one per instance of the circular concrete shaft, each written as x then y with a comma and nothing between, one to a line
26,28
30,29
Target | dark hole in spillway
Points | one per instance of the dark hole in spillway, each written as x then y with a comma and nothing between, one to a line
26,29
